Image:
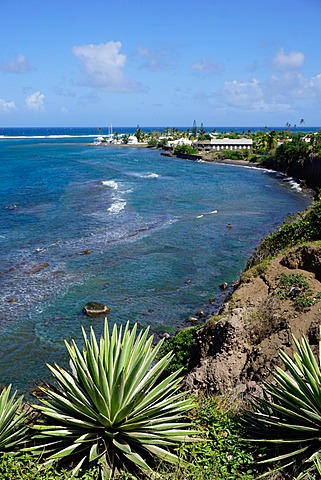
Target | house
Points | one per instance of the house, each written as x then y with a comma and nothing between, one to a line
132,140
180,141
218,144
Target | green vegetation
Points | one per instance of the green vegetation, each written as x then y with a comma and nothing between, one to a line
180,345
185,149
306,228
295,287
13,421
223,455
111,411
287,421
26,467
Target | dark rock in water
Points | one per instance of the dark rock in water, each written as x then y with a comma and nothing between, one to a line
93,309
165,335
224,286
37,268
192,319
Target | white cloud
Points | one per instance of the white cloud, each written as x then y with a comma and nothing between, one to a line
293,60
104,67
252,95
6,106
35,101
18,65
153,60
242,94
206,66
315,85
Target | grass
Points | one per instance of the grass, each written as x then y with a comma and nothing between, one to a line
26,467
296,288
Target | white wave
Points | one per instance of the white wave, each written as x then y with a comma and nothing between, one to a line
117,207
207,213
295,185
110,183
145,175
151,175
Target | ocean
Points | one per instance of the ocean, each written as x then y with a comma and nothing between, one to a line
145,234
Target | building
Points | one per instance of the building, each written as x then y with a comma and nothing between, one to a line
218,144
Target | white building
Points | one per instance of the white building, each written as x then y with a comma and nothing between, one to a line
218,144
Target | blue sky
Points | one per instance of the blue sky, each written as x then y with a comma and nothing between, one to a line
160,63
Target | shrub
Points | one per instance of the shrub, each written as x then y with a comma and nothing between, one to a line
180,345
111,411
300,229
185,149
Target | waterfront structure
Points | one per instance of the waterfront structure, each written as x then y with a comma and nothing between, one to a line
218,144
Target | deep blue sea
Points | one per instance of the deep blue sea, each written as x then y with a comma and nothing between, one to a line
156,228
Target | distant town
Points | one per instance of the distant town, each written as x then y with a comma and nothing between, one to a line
246,145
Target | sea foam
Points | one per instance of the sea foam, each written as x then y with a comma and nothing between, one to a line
117,207
110,183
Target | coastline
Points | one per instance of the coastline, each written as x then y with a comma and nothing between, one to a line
308,191
227,161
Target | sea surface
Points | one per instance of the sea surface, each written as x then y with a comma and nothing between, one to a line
143,233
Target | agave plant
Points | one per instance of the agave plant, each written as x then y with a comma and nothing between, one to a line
288,418
13,425
113,410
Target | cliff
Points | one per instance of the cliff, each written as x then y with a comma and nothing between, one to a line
236,351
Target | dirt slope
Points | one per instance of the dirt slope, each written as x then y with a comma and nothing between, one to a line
237,352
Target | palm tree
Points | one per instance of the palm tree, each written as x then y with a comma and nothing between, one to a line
271,140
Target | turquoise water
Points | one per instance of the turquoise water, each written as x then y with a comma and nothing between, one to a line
156,228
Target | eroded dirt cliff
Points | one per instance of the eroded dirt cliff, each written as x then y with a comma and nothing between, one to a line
237,351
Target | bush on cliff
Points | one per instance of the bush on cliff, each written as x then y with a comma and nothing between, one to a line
306,228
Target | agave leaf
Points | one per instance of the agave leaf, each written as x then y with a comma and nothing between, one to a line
77,468
291,455
300,417
70,406
94,453
165,455
66,451
122,446
138,460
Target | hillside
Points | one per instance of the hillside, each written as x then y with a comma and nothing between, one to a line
236,351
